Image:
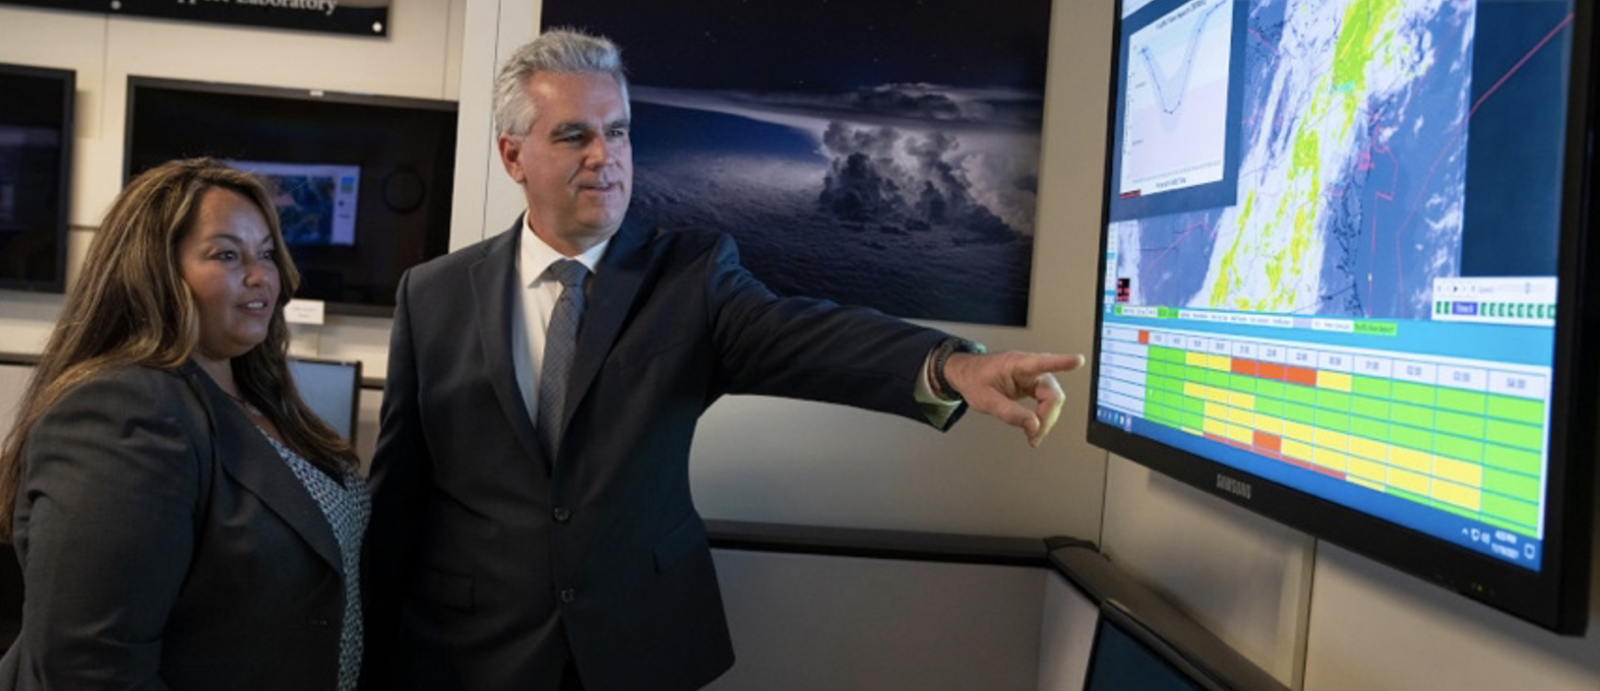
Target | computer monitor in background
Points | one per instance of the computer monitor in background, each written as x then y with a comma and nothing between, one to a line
1349,280
1126,655
333,390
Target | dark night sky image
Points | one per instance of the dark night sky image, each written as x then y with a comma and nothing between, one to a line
876,152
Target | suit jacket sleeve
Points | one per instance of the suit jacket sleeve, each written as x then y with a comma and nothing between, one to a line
814,349
108,499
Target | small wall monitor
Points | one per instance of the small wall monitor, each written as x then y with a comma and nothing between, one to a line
35,175
363,182
1345,280
332,388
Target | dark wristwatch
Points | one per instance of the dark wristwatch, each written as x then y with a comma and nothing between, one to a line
942,353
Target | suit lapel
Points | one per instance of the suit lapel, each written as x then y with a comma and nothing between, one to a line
244,454
616,287
494,277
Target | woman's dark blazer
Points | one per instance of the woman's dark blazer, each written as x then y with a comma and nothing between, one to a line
166,545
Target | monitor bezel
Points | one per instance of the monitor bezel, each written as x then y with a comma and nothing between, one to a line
438,235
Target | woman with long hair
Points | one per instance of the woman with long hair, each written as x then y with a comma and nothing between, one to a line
183,520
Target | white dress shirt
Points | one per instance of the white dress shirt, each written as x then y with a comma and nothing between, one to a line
535,300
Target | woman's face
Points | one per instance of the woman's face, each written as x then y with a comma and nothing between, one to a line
228,259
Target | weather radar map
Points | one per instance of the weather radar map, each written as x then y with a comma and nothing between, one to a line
1346,190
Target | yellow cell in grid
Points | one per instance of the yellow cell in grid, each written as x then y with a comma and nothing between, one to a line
1338,381
1378,486
1241,434
1411,459
1216,411
1411,482
1464,497
1194,390
1194,359
1241,400
1269,424
1331,439
1217,427
1470,474
1297,450
1369,449
1367,470
1215,394
1241,417
1295,430
1221,363
1328,458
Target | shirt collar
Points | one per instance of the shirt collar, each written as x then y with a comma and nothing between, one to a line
534,256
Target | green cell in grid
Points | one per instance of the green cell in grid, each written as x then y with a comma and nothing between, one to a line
1414,415
1368,386
1462,401
1527,529
1269,406
1458,448
1268,387
1218,378
1333,400
1529,437
1157,367
1370,407
1369,428
1299,394
1166,354
1194,405
1196,374
1469,426
1419,394
1243,384
1520,513
1303,414
1514,485
1513,460
1194,420
1411,438
1332,421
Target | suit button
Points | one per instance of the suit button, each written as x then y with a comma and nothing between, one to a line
563,515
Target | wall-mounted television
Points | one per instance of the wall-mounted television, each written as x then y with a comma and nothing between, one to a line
1345,280
35,176
363,182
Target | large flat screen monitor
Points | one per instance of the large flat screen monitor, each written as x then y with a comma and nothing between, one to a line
1345,281
35,175
363,182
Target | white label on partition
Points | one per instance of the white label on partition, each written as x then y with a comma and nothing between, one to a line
304,312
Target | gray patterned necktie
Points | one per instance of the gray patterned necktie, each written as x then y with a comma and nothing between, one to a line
560,348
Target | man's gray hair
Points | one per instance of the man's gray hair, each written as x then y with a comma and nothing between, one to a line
557,50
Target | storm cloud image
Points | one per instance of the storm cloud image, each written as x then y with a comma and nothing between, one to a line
849,159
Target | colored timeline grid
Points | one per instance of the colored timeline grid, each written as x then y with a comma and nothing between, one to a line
1460,436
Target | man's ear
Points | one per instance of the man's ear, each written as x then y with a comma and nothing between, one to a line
511,156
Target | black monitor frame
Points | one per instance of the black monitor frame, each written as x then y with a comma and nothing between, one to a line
55,280
1555,597
405,147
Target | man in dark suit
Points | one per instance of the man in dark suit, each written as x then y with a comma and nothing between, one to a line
520,543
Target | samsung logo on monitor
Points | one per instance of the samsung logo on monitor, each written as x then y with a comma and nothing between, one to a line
1238,488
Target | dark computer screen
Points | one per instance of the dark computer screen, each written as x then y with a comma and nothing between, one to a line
1127,657
35,161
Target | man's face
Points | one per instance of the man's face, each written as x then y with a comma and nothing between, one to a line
575,164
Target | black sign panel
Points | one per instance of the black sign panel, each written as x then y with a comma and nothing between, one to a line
360,17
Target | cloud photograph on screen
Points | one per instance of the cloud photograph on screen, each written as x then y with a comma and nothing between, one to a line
879,153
